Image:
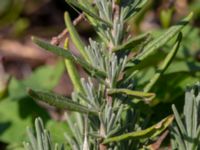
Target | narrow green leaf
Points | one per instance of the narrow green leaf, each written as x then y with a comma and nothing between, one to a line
55,49
46,140
72,71
163,39
88,12
197,137
39,131
189,112
32,139
171,54
133,42
138,94
60,101
164,65
75,36
178,120
178,138
67,54
133,8
150,132
56,147
76,132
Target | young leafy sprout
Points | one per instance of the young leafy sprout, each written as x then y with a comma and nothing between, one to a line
186,132
104,105
42,140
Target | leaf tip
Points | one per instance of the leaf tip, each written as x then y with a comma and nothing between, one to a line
66,13
190,16
67,17
173,106
31,92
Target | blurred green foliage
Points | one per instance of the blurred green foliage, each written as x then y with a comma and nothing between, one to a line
10,11
18,111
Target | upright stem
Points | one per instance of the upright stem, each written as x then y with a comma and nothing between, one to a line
102,133
116,13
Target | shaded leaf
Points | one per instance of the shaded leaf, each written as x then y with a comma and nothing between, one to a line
161,41
175,85
133,42
178,120
20,115
164,65
132,7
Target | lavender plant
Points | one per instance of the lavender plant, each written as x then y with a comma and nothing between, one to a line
105,105
186,130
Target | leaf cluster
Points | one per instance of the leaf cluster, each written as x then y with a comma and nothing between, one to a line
106,104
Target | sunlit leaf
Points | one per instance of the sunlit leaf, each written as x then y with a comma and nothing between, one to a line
138,94
150,132
75,37
72,71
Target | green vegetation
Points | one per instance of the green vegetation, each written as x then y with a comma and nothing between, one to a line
133,92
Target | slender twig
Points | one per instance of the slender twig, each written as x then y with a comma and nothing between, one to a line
58,39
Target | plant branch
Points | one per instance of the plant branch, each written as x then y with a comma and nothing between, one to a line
57,39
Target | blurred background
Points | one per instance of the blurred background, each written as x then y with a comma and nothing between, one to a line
23,65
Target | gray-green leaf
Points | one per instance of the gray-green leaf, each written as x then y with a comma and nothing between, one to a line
60,102
67,54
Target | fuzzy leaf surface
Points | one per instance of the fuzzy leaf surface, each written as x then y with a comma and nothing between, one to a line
60,101
87,11
67,54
